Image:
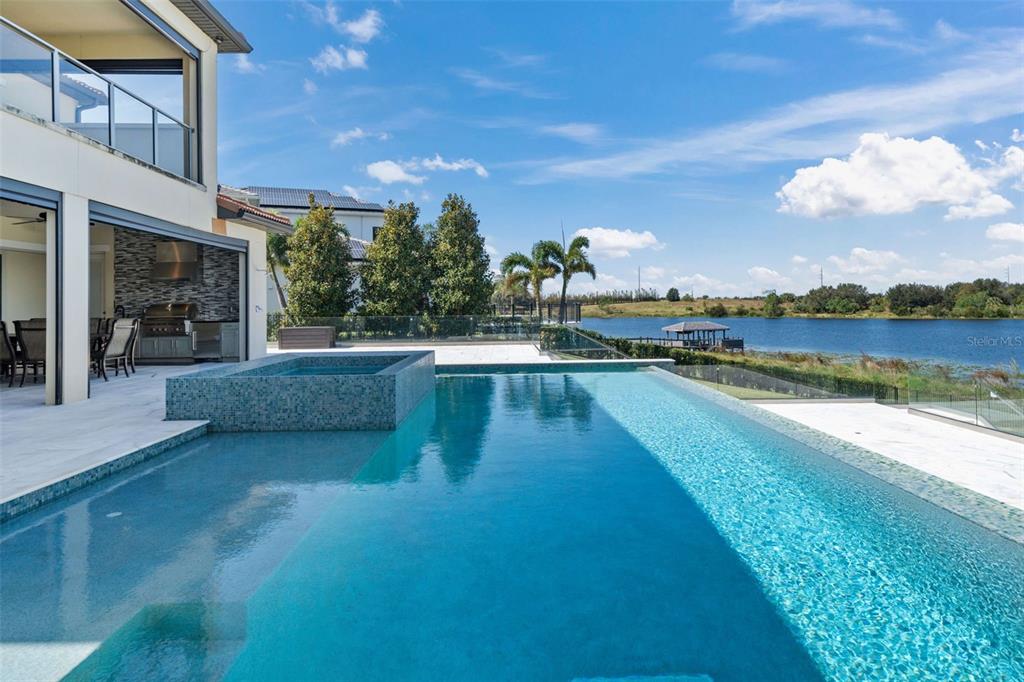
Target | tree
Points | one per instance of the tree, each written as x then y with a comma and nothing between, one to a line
717,310
320,270
672,295
460,266
277,257
904,298
530,270
571,261
772,305
396,276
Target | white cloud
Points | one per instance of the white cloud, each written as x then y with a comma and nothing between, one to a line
946,32
766,277
701,284
365,28
985,207
309,87
862,261
585,133
612,243
885,176
334,59
246,66
829,13
981,145
486,83
798,260
357,133
753,63
1010,232
517,59
390,172
981,88
603,282
438,163
354,192
1017,136
400,171
653,272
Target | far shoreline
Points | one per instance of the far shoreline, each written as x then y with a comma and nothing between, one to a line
689,309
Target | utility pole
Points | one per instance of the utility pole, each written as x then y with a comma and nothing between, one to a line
638,283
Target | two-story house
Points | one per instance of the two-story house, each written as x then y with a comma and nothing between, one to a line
361,219
108,182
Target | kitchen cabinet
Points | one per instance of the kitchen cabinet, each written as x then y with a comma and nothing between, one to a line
171,348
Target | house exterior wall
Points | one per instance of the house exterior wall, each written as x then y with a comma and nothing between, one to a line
48,155
359,224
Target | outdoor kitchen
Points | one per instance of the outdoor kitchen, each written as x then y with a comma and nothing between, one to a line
187,296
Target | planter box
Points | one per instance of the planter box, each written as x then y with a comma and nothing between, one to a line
305,338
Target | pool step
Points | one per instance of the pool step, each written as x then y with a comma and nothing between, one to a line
186,641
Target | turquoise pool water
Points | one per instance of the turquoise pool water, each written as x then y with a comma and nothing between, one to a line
515,527
331,370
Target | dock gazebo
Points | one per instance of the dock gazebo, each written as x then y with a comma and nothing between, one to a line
702,335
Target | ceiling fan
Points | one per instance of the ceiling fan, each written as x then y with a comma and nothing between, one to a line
41,218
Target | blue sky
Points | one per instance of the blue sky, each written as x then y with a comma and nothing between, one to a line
723,147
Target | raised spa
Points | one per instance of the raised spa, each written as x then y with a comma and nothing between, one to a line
305,392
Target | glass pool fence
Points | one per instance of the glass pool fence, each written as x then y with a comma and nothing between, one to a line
416,328
992,399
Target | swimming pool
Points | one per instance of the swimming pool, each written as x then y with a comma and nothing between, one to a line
514,526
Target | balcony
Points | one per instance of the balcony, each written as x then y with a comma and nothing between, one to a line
90,103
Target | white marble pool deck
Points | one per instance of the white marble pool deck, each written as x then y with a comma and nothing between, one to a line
989,464
40,445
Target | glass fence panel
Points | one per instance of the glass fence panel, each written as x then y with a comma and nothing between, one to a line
171,146
413,328
133,125
992,399
567,343
26,74
84,102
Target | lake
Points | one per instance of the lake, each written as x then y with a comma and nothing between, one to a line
970,342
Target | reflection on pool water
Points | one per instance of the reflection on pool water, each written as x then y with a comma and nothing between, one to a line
545,526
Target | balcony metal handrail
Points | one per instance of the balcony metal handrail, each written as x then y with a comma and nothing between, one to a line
57,54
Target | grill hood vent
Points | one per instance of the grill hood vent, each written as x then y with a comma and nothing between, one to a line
177,262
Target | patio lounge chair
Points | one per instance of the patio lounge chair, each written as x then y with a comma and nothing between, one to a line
32,339
9,358
117,348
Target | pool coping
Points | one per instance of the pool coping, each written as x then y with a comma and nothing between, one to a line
550,367
984,511
65,485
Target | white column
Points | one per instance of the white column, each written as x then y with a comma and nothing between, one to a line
51,308
75,295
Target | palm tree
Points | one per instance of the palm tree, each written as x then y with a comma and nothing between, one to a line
277,256
571,261
532,270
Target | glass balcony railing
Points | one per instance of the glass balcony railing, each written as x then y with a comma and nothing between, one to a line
89,103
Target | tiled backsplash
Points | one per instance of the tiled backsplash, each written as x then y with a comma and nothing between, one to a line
216,292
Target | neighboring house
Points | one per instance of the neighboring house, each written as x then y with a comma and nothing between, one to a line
95,179
360,218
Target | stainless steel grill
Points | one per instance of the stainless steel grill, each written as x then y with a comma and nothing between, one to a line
169,319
